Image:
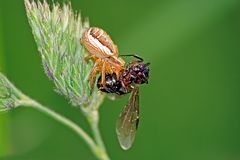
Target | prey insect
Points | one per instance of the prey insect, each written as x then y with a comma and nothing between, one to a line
134,74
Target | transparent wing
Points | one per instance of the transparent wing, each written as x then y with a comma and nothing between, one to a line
127,122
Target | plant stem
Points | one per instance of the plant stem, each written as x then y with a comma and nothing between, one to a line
97,149
97,135
92,114
93,120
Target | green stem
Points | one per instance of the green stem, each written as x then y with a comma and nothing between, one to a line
93,120
92,114
96,148
97,135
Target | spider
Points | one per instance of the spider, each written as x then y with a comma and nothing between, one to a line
104,54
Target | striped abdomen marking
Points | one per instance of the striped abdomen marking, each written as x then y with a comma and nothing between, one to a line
103,38
99,43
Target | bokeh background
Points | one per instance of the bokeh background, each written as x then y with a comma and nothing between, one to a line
190,110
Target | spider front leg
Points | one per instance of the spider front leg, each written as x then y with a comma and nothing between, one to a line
92,76
89,57
103,80
118,71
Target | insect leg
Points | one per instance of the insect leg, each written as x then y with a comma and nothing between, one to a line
139,59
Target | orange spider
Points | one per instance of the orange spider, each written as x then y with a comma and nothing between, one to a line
103,52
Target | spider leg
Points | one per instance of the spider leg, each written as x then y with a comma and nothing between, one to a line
103,73
88,57
92,76
118,73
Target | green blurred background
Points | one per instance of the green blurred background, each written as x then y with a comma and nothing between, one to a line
189,111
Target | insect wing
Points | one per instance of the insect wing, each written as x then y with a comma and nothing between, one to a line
127,122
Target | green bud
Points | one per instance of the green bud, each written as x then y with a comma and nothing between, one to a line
9,97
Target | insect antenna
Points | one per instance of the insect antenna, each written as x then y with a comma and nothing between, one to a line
139,59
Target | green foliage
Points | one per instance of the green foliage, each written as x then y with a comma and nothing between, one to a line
57,32
9,96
